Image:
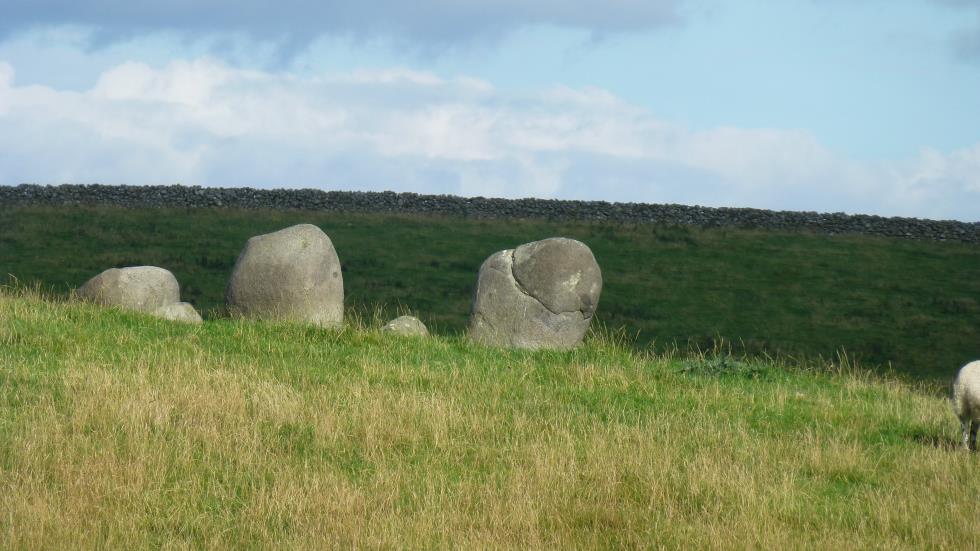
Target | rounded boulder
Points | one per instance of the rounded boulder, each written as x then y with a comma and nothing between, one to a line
140,288
406,326
292,274
540,295
179,311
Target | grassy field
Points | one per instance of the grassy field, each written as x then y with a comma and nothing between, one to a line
124,431
915,305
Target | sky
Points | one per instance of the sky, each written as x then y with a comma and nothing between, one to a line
858,106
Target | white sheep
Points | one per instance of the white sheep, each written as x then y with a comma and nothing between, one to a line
966,402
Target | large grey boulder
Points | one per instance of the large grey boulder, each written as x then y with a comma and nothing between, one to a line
140,288
406,326
179,311
539,295
292,274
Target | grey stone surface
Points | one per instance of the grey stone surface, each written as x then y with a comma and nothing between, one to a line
539,295
292,274
179,311
140,288
406,325
483,207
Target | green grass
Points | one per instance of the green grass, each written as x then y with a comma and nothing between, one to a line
914,305
124,431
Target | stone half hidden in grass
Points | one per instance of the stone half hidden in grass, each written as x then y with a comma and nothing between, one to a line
147,289
409,326
292,274
540,295
179,311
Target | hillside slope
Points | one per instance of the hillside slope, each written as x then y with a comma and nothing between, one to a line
119,430
913,304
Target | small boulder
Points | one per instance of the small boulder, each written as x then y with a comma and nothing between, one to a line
406,326
140,288
292,274
179,311
539,295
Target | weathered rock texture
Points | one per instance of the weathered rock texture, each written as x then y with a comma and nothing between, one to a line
406,325
179,311
539,295
140,288
483,207
292,274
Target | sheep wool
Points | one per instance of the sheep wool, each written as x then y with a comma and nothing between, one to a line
966,402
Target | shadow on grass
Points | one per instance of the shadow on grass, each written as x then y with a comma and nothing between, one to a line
939,442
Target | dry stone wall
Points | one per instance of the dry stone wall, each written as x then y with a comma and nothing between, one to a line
480,207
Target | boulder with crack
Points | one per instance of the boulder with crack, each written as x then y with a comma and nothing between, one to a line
539,295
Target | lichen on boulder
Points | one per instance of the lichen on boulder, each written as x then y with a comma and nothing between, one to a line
540,295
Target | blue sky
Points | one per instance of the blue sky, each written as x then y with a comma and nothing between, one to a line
831,105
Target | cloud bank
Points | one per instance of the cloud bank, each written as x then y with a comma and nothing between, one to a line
203,122
296,22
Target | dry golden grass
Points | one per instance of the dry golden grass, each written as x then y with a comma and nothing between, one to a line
118,431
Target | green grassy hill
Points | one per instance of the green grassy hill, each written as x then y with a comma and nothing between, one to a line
123,431
913,304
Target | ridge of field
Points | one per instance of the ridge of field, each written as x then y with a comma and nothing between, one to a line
911,304
119,430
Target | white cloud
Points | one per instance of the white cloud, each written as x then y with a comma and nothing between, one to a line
203,122
185,83
952,172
